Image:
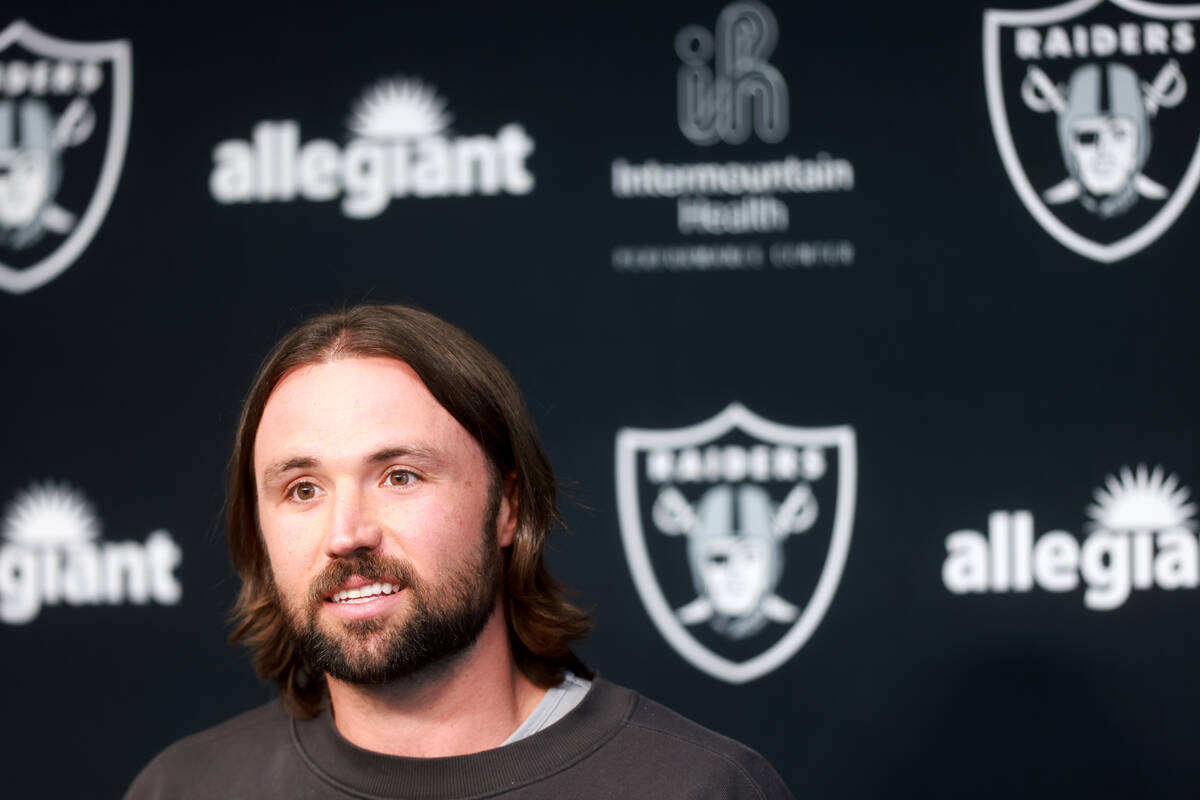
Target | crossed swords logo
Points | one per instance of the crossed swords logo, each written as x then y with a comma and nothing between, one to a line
1042,96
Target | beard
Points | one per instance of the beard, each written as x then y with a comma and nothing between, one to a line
442,621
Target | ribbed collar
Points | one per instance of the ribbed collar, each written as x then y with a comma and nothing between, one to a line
374,775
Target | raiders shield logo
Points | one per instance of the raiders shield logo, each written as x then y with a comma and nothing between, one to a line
1091,105
64,123
736,531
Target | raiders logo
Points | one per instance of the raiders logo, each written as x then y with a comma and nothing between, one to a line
736,531
64,123
1091,108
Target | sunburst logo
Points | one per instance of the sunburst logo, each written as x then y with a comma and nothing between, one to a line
48,515
1142,500
399,108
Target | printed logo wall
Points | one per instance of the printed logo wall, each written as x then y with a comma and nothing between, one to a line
730,227
64,123
1086,105
736,531
399,147
729,93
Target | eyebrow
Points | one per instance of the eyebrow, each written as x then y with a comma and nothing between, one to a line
280,468
412,451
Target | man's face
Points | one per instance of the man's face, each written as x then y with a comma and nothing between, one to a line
1105,149
374,506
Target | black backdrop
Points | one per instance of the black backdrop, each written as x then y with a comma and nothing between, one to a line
983,365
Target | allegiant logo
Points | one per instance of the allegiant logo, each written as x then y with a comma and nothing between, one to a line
399,147
52,555
1142,536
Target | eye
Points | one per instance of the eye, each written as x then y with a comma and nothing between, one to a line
401,477
303,491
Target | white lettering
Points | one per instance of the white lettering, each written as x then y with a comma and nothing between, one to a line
20,598
1028,43
1056,562
747,215
1109,564
731,463
163,556
1104,564
1100,41
274,167
1079,37
1058,44
515,147
791,175
82,578
1143,559
365,179
43,77
1178,563
965,569
317,171
1131,38
232,181
1183,37
1155,41
87,573
1104,40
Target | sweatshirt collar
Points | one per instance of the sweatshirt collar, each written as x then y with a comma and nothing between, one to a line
351,768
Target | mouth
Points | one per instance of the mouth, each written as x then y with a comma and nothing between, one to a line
363,593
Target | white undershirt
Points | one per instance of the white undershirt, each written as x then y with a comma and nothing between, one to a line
557,703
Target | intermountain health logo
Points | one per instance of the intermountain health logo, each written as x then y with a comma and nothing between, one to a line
64,124
51,554
399,145
1091,107
727,87
736,531
1141,535
730,93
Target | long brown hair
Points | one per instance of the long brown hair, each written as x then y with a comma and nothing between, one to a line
478,391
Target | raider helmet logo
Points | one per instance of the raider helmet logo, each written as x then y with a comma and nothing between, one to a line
64,122
1079,90
736,531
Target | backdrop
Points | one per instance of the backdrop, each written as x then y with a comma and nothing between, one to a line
862,337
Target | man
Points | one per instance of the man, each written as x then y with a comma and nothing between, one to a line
388,508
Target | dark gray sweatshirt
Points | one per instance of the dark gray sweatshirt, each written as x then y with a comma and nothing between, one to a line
614,744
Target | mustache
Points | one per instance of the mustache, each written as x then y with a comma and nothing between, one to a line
371,566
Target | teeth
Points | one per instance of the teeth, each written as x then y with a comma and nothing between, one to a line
364,593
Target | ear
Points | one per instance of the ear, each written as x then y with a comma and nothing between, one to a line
507,514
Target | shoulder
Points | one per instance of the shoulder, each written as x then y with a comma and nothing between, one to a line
672,746
238,752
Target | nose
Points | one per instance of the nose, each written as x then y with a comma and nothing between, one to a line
354,526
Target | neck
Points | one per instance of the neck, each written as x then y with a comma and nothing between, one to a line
472,705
